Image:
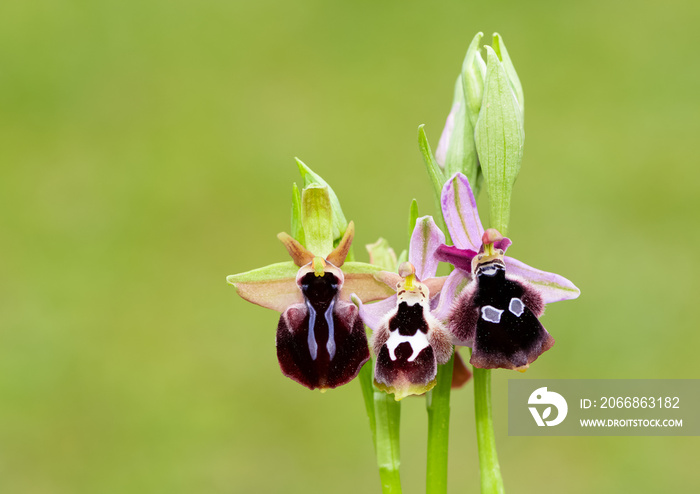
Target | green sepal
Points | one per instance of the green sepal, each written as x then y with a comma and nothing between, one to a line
316,219
499,47
273,286
412,218
297,228
382,255
499,140
310,177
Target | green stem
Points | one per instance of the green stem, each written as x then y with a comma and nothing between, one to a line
438,405
491,481
384,414
368,395
388,416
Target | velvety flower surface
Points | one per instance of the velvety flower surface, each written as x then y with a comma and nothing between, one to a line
408,340
321,341
492,301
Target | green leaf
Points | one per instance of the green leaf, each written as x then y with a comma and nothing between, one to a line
499,140
297,228
412,218
499,47
311,178
316,219
272,286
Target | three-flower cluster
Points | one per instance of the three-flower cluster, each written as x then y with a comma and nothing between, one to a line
490,302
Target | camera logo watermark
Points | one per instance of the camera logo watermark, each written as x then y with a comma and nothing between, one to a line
541,396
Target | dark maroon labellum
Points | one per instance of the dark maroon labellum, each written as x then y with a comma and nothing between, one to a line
498,319
407,366
321,343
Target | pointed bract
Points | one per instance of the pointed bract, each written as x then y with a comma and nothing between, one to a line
435,172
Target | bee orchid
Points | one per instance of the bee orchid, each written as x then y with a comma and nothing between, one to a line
492,301
408,340
321,341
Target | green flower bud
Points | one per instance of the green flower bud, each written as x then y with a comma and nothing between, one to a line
499,138
483,135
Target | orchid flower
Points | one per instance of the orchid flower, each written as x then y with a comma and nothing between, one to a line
321,341
492,301
408,340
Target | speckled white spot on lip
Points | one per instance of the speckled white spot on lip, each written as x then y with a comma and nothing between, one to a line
491,314
516,306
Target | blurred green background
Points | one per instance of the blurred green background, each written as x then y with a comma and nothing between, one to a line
146,151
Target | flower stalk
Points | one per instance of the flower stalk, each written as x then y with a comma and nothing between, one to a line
384,415
388,419
437,403
491,480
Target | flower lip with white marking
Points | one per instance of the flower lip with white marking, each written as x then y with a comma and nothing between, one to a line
486,277
408,340
321,341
